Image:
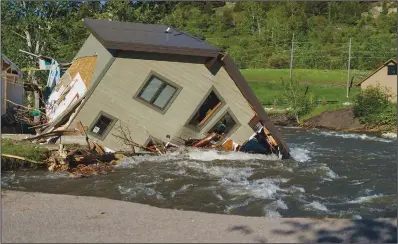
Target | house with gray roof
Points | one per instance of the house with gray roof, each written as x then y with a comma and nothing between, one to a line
163,84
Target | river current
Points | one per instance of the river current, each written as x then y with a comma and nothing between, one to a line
332,174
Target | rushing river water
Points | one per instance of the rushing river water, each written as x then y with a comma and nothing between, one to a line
333,175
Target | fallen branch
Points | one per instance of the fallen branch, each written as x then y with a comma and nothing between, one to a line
125,136
21,158
38,126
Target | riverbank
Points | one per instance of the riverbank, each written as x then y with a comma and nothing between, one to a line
63,218
336,120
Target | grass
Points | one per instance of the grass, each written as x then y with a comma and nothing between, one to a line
266,92
304,75
26,150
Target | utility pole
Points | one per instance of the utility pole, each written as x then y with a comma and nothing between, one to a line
349,64
291,58
272,36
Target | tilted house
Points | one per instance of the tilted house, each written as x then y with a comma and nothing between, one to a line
164,84
385,76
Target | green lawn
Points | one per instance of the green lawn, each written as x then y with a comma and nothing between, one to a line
304,75
266,92
27,150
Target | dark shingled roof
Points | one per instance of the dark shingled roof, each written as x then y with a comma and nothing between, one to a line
148,38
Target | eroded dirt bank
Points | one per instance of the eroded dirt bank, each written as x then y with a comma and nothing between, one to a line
340,120
337,120
283,120
63,218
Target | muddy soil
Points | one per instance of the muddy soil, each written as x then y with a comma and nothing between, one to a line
340,120
283,120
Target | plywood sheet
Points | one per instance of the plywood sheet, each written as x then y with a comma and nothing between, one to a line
84,66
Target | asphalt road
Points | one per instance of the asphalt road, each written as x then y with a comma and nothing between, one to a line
38,217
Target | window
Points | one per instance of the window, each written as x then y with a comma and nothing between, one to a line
225,124
157,93
208,108
392,70
102,124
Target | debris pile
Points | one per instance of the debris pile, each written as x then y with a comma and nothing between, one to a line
84,162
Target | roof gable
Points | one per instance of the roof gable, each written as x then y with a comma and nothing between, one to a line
148,38
13,66
374,72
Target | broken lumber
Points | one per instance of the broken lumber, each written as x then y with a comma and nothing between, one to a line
21,158
54,133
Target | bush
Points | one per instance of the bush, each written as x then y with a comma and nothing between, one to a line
373,107
298,99
278,62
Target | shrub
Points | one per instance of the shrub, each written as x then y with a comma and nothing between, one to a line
278,62
298,99
373,107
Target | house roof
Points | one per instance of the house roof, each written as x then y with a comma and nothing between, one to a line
148,38
374,72
14,67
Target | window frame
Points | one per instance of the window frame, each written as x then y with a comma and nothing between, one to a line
254,122
388,69
201,128
107,130
233,129
152,74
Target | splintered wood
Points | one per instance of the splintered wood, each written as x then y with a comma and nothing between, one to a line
90,170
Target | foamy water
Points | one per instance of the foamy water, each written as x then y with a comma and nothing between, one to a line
271,210
300,154
353,136
315,205
389,135
196,155
210,155
366,198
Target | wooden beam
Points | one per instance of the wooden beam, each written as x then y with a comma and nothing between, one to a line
210,62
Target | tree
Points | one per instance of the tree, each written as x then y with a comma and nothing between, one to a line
298,98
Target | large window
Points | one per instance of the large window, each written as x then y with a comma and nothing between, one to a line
392,70
207,110
157,92
101,125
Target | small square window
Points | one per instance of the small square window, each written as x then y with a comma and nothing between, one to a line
224,125
102,125
157,93
392,70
